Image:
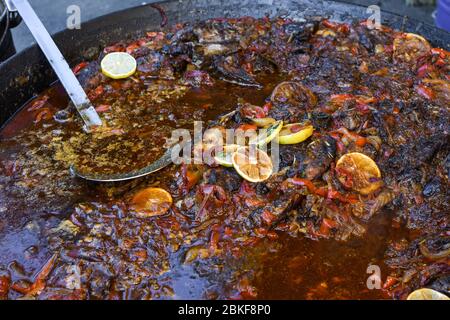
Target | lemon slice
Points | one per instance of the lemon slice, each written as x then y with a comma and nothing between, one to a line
151,202
413,36
295,133
427,294
268,134
118,65
408,47
359,172
252,164
224,157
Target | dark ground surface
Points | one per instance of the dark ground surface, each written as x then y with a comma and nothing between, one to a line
54,16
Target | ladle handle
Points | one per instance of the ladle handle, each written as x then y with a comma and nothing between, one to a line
58,63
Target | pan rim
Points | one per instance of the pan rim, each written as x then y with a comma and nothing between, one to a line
122,11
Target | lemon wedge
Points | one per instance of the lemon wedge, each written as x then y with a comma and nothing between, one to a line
252,164
268,134
118,65
295,133
224,157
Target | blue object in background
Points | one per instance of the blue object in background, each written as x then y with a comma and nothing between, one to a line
443,14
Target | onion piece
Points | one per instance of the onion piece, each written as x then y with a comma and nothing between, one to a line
433,255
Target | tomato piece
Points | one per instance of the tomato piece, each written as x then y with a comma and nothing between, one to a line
228,231
151,34
39,283
347,177
340,144
339,99
363,108
324,229
247,126
97,92
325,192
330,223
336,195
268,217
360,141
423,70
103,108
267,107
251,112
365,100
304,182
190,177
5,284
43,114
76,70
39,103
425,92
440,62
328,24
248,67
114,48
441,52
214,238
390,281
132,47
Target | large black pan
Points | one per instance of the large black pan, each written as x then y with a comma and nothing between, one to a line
8,21
28,73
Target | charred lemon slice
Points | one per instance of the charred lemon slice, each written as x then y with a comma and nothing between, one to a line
295,133
224,157
151,202
118,65
359,172
252,164
408,47
427,294
266,135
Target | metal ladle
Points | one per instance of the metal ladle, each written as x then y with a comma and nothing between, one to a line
75,91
